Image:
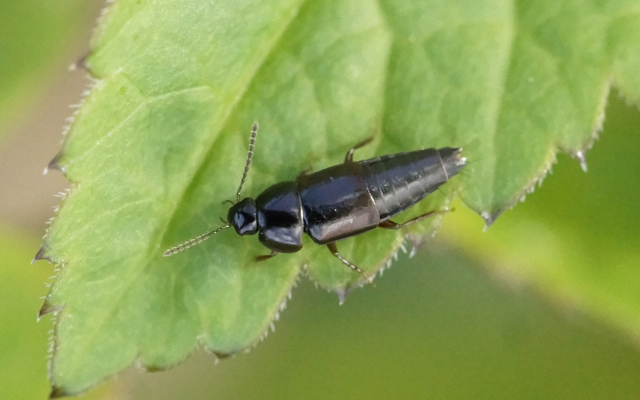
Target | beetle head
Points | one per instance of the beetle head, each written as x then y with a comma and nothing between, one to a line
242,216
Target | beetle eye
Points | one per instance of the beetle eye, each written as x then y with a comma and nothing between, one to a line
243,216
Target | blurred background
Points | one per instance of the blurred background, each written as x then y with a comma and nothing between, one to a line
541,305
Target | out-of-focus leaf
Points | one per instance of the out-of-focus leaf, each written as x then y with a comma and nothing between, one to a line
33,35
577,237
23,340
161,141
437,327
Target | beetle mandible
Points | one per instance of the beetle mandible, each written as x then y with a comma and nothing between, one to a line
338,202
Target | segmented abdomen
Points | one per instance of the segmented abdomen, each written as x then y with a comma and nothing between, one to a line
398,181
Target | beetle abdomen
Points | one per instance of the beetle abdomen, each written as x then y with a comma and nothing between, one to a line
398,181
336,203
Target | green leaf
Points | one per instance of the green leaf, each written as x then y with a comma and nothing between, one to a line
161,142
33,35
576,239
436,327
23,339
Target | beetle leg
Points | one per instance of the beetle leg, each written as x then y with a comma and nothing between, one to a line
349,156
266,257
388,224
305,173
334,250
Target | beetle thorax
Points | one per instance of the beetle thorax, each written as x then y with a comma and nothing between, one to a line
243,217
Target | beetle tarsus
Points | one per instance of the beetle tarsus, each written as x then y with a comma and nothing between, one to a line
389,224
267,256
349,157
334,250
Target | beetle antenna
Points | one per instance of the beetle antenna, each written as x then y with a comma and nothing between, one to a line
252,143
194,241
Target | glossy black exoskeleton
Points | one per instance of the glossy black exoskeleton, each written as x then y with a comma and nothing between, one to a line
338,202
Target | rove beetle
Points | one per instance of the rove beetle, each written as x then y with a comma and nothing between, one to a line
338,202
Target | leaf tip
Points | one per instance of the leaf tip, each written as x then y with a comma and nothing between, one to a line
58,392
80,63
342,295
581,155
41,254
55,164
47,308
222,355
489,219
153,368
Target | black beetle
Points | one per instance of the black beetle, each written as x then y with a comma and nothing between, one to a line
338,202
